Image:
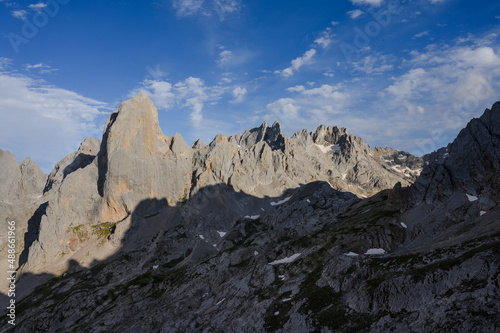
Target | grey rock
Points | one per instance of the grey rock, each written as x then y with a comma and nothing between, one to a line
259,232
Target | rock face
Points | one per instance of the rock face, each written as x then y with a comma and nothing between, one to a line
137,161
260,232
20,195
102,183
262,161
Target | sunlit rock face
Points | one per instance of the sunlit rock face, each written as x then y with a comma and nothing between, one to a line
257,232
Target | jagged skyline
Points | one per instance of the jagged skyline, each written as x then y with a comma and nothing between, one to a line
401,74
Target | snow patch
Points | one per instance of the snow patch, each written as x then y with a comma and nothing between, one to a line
155,267
280,202
326,149
351,254
286,260
253,217
276,313
308,201
481,213
404,225
219,302
222,233
255,253
201,236
375,251
471,197
286,300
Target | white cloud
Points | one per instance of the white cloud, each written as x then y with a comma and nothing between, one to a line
335,23
206,7
4,63
224,57
374,64
297,63
190,93
374,3
355,13
239,94
308,108
43,121
296,89
19,14
159,91
421,34
329,74
326,91
325,39
187,7
447,86
223,7
40,67
38,6
284,109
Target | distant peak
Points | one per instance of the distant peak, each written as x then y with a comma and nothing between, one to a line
198,144
496,107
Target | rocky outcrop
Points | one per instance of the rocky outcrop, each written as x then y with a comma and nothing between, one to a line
20,194
260,232
96,189
99,186
262,161
137,161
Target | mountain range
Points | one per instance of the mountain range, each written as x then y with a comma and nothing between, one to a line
256,232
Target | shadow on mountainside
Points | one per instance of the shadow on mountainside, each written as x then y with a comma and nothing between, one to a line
214,259
162,240
228,261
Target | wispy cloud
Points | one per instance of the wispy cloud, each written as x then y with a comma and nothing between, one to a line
374,3
187,7
421,34
375,63
325,38
40,67
38,6
191,93
224,7
19,14
224,57
43,121
239,94
355,13
297,63
221,8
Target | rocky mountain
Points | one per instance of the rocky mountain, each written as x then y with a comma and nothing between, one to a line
257,232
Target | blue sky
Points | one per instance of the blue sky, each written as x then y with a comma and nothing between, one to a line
403,74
